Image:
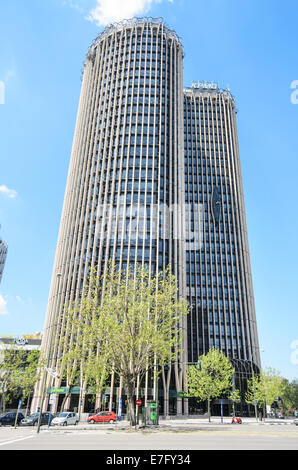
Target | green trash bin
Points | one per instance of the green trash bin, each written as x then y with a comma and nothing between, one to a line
153,413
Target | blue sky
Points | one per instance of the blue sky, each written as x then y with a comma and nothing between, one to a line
251,46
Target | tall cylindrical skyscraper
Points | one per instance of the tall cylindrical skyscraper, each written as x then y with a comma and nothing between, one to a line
126,168
219,281
155,179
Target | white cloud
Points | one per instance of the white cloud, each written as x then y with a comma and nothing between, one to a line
23,301
108,11
11,193
74,5
7,75
9,72
3,306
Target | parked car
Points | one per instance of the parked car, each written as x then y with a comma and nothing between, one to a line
32,420
10,418
65,418
296,421
103,417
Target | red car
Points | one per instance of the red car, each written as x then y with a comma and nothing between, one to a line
102,417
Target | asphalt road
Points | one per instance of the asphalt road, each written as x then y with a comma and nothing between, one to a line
216,437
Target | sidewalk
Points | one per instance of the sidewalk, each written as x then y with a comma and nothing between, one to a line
177,425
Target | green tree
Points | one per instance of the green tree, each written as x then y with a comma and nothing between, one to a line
211,377
85,358
265,388
141,315
18,373
9,363
235,397
125,321
289,395
68,365
27,373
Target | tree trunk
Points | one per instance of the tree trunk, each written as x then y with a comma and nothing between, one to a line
111,389
137,407
179,406
130,403
166,378
67,396
27,405
99,401
63,403
82,387
3,402
209,414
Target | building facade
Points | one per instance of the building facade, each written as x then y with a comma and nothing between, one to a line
3,255
125,169
128,192
219,281
25,342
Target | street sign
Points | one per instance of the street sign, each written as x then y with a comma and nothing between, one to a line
139,402
74,390
57,390
20,341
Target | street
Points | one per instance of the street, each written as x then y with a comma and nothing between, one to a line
214,436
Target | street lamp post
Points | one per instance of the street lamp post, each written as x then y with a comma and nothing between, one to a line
156,394
51,326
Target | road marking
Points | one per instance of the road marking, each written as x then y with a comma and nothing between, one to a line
16,440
